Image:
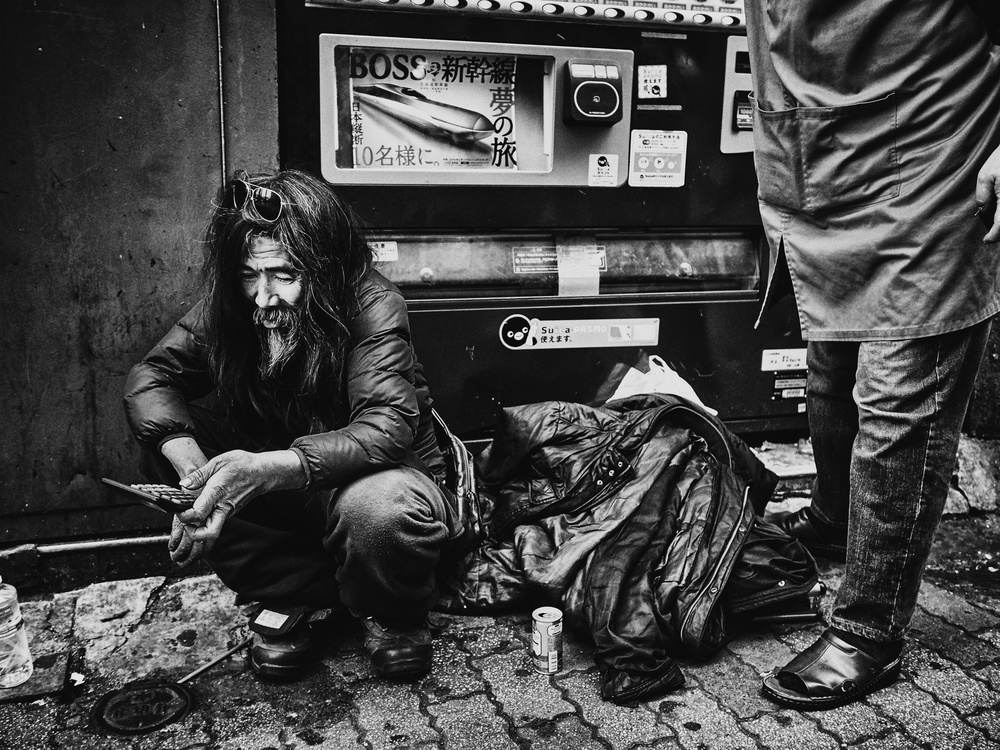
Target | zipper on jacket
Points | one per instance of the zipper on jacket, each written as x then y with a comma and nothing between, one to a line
718,565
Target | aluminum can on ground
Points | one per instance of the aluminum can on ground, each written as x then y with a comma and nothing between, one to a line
546,639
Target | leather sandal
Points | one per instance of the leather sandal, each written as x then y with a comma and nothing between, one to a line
831,545
828,674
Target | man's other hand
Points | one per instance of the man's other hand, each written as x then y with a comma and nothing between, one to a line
225,484
988,187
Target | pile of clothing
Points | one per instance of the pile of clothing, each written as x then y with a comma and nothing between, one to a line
641,520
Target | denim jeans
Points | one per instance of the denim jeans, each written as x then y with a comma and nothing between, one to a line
372,546
885,419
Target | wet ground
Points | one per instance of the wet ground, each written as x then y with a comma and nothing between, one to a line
966,555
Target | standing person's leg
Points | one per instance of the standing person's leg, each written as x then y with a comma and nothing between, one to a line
912,397
387,532
833,428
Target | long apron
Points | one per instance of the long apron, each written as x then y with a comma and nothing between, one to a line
872,119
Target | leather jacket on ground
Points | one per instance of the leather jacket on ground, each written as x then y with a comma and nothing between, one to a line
638,520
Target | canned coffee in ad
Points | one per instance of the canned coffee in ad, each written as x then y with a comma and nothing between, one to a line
546,639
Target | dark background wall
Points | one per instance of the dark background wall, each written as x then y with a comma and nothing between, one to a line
118,121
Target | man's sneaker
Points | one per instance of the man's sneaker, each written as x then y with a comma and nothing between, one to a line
284,645
398,651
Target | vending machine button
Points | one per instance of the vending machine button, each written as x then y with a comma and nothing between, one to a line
673,16
552,9
597,99
730,20
583,10
613,13
488,4
701,18
593,93
421,2
519,7
643,15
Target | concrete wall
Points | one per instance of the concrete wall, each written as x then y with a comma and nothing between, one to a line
113,145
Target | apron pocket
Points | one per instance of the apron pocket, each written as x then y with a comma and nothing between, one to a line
815,159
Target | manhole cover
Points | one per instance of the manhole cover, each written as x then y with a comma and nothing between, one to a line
141,707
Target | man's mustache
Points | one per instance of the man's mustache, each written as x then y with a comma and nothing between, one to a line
281,316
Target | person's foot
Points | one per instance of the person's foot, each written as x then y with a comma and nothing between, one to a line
821,539
284,645
398,650
284,657
833,672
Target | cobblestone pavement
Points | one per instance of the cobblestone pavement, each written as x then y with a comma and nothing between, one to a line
482,692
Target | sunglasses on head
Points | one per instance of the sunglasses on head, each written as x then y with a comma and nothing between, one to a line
260,203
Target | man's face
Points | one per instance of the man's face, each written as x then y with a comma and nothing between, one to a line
270,281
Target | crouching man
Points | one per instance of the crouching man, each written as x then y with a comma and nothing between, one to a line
290,399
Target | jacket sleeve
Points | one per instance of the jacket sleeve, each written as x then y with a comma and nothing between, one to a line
381,394
174,373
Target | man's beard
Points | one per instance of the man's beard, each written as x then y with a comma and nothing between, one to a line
278,343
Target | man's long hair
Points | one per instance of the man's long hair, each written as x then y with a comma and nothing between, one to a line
324,239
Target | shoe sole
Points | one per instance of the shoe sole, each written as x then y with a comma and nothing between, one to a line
277,672
820,703
409,668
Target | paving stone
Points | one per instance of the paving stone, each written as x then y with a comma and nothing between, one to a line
949,641
49,622
523,694
700,721
352,667
892,742
727,679
761,650
106,612
497,636
389,715
990,636
988,722
955,609
789,730
472,722
273,728
451,676
924,719
185,626
619,726
990,674
855,722
567,733
948,683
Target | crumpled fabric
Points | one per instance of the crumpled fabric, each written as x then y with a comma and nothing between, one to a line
639,561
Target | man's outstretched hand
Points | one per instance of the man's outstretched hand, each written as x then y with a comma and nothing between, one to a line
225,484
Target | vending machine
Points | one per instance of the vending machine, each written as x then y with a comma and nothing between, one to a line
561,190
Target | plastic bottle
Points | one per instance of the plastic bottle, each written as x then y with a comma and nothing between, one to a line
15,658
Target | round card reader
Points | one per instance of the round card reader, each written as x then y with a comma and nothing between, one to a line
593,94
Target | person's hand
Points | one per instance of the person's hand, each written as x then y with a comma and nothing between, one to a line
225,484
988,187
